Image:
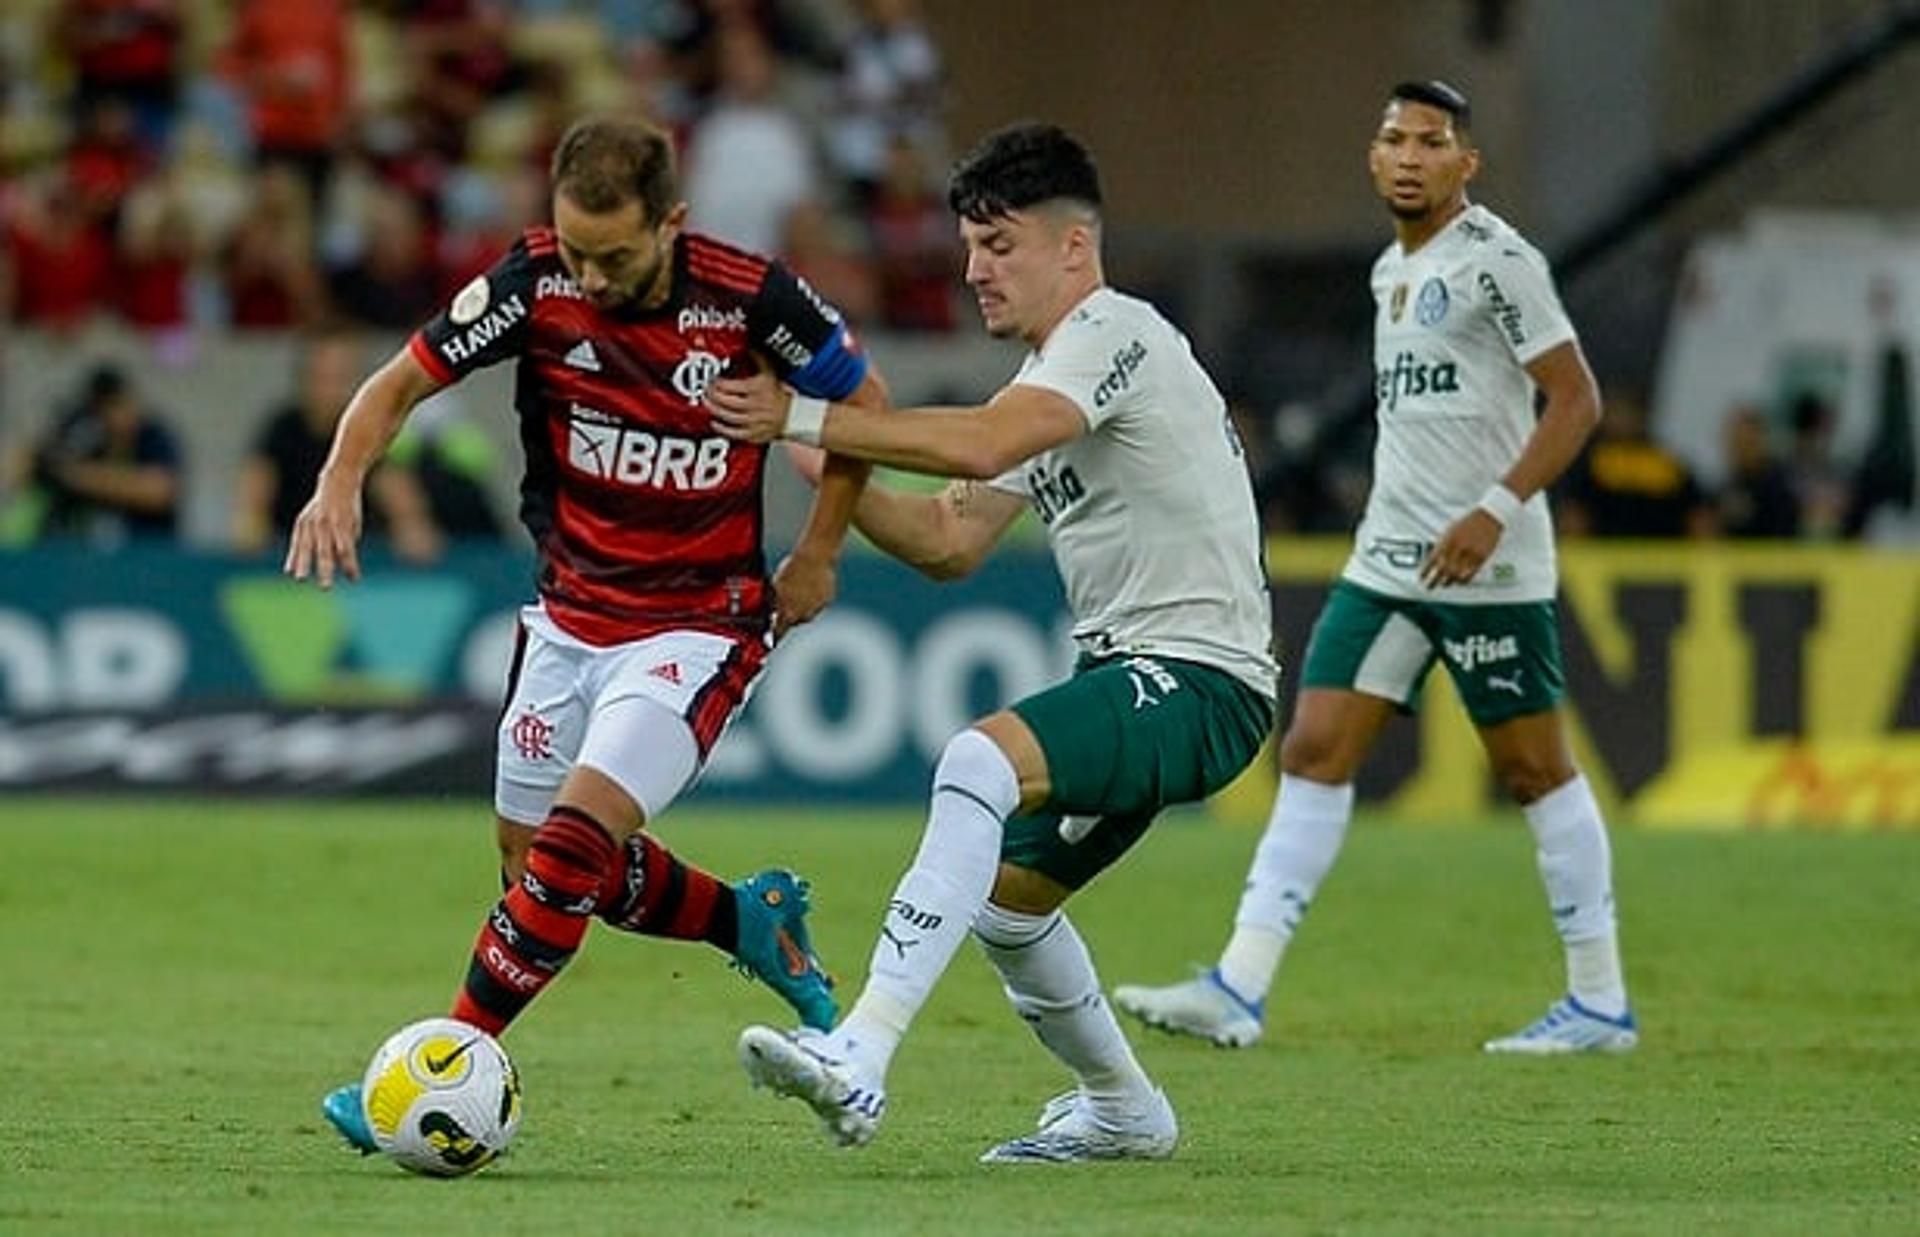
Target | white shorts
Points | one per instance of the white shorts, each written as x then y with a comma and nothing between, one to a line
645,713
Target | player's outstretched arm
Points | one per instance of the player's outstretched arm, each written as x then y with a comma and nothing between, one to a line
326,535
979,443
944,536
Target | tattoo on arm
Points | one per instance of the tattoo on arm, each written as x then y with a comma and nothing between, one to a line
961,495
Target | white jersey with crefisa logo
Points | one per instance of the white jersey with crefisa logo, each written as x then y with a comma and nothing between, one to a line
1150,513
1454,326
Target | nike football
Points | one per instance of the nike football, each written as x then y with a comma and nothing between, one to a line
442,1098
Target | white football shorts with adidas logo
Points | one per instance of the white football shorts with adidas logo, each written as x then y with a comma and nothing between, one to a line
636,712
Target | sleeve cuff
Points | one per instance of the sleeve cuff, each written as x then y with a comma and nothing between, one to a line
429,359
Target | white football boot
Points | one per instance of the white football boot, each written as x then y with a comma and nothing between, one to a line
800,1067
1568,1026
1075,1127
1202,1006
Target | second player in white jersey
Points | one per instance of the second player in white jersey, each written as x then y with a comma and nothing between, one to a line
1150,513
1453,567
1455,324
1115,435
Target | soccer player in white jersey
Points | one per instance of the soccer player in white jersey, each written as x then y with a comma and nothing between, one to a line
1114,434
1453,560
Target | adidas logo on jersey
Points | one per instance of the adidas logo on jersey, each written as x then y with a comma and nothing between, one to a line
584,357
669,671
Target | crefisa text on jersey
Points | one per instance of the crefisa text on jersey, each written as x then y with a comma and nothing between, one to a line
1504,310
1125,362
1411,376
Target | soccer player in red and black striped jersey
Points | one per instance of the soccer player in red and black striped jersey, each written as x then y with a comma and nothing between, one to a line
655,609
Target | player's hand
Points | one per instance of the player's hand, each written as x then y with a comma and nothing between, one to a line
803,586
1461,553
326,536
749,409
809,462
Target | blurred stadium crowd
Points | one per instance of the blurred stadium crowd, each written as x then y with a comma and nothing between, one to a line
326,167
331,167
260,164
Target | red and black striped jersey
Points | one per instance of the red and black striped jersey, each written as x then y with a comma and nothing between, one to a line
645,519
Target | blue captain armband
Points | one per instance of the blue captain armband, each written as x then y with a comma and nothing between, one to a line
836,370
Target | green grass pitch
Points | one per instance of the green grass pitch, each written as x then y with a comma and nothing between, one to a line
180,981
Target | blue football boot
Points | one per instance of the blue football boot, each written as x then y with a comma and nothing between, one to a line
774,947
348,1116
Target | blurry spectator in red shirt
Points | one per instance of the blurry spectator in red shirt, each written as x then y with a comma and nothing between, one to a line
128,51
481,217
156,258
289,59
268,267
62,258
106,158
913,242
393,282
458,54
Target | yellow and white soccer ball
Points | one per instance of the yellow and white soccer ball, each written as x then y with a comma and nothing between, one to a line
442,1098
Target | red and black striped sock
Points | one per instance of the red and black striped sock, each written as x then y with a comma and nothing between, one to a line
572,868
661,896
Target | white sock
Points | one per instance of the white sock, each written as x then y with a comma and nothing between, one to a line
975,789
1308,825
1577,868
1049,978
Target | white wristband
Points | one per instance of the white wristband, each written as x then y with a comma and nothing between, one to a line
1501,503
805,417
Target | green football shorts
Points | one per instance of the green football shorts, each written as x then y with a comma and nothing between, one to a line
1125,737
1505,660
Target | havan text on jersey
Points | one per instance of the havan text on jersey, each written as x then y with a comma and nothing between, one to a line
468,343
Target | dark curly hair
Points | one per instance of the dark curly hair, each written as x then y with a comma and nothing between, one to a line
1020,166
